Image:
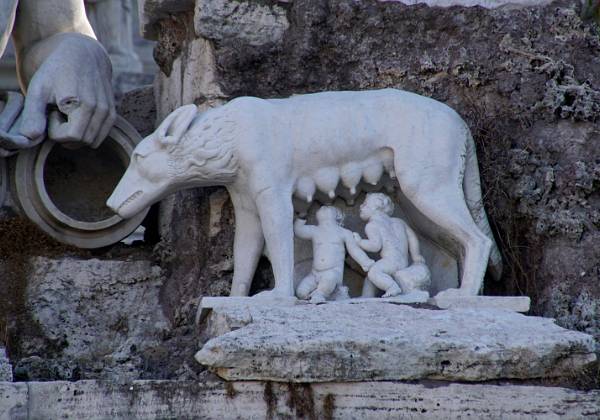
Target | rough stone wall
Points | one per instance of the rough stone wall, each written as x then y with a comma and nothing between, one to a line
525,78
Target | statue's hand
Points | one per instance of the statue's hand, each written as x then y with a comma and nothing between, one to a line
75,75
11,105
356,237
367,265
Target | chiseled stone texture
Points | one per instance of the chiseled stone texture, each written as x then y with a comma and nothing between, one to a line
5,367
152,11
380,341
95,400
488,4
254,22
97,319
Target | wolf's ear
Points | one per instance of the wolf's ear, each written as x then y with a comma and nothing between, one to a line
176,124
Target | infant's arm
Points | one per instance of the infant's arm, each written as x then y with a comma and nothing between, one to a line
373,243
413,246
303,231
355,251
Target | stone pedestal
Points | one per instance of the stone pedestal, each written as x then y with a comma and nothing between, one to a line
386,341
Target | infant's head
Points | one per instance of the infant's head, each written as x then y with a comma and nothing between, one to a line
376,202
329,213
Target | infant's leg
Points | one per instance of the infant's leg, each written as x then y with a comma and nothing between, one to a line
415,277
307,285
379,274
327,281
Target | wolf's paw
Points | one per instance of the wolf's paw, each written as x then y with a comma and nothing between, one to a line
452,294
274,294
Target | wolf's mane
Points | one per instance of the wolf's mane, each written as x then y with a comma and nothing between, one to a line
207,149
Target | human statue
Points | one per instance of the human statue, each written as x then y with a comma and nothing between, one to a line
61,67
395,242
112,23
330,242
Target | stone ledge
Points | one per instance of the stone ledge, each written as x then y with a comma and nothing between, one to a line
94,400
382,341
511,303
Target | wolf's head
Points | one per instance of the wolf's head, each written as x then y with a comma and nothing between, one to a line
188,149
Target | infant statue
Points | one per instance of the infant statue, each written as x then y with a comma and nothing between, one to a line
330,241
394,240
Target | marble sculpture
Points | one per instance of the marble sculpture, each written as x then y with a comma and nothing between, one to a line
266,150
330,242
59,63
395,241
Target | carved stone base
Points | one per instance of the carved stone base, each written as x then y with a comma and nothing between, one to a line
385,341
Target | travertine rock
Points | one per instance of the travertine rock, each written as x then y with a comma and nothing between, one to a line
151,11
99,319
5,367
254,22
488,4
381,341
95,400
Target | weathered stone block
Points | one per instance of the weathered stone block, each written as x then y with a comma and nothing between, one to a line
94,400
99,318
5,367
151,11
383,341
13,401
252,22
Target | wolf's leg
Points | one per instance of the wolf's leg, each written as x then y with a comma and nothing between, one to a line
248,245
442,201
276,215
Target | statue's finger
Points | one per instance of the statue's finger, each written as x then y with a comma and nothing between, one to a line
71,129
99,115
33,123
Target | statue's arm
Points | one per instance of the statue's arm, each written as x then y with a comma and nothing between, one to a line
373,242
38,21
413,246
356,251
8,9
302,230
60,62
